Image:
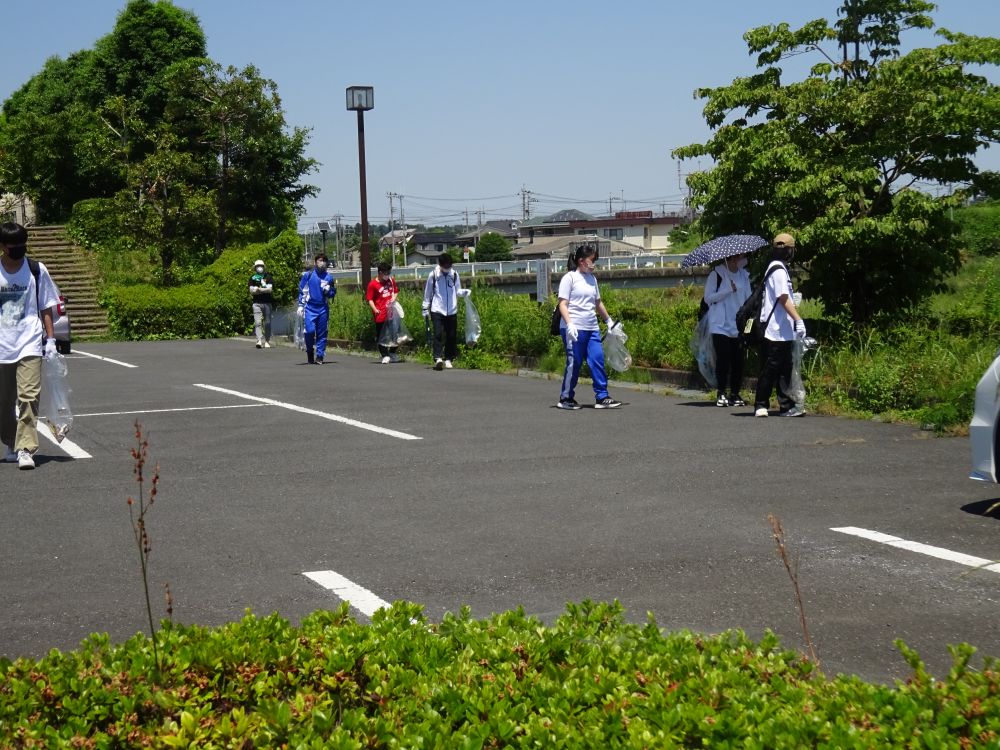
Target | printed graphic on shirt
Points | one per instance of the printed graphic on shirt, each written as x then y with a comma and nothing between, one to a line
13,299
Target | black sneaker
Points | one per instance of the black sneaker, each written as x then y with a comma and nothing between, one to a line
722,400
319,360
568,403
439,364
735,400
607,403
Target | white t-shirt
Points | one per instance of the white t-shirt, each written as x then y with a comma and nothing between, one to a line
441,291
21,329
581,295
780,327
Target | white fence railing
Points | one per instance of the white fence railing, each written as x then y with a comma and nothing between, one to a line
515,266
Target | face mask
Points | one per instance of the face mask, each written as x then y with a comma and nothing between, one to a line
741,263
259,269
321,266
17,252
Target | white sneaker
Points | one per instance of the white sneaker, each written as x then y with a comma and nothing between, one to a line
386,360
24,460
761,412
10,455
447,364
267,344
258,344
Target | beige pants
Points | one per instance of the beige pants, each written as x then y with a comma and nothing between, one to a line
20,386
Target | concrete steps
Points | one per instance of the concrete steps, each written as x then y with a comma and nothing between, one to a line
73,271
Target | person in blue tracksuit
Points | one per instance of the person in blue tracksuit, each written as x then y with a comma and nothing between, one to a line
316,289
579,305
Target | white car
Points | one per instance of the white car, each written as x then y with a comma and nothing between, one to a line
983,435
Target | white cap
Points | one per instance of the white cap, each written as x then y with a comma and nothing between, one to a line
258,263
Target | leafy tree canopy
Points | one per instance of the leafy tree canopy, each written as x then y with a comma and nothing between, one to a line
492,246
845,157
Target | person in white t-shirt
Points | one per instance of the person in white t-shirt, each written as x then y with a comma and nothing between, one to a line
25,321
579,305
784,325
727,287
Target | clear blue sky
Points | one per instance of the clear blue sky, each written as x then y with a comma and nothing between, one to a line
578,102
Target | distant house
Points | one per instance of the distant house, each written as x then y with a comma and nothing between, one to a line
427,247
559,247
506,228
395,237
638,229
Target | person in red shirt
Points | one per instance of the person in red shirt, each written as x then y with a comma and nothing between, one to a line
381,293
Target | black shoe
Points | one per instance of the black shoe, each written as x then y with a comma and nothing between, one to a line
319,360
568,403
722,400
735,400
439,364
607,403
309,356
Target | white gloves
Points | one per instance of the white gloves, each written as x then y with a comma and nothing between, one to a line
49,351
324,286
800,329
464,292
301,312
425,311
572,334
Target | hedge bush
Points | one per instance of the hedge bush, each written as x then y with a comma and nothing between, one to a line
218,304
589,680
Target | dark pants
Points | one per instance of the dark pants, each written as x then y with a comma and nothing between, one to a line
445,336
776,369
383,350
728,363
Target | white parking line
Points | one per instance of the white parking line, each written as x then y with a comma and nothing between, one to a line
159,411
314,412
104,359
924,549
67,445
360,598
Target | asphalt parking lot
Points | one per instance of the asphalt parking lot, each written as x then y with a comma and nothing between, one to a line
288,487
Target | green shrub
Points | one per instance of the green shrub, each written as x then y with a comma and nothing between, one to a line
588,680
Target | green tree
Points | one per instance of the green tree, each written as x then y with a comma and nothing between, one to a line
253,164
839,157
492,246
50,127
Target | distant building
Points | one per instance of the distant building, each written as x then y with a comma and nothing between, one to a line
17,208
427,247
506,228
638,229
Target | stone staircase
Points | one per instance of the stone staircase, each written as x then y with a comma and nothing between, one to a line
72,268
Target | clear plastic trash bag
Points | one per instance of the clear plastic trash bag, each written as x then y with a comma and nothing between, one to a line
300,329
394,332
794,387
53,405
616,354
703,351
473,326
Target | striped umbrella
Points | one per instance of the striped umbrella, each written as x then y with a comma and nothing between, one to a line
720,248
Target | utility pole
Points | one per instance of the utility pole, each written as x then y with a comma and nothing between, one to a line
392,217
336,235
526,201
479,223
466,220
402,222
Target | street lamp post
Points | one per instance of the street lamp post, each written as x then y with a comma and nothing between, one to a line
361,99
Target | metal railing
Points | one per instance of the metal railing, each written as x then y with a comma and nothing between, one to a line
514,266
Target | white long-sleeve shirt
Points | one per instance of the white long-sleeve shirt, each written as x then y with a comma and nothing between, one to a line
723,301
442,291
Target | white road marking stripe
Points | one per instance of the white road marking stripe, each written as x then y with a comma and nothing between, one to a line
314,412
924,549
104,359
158,411
360,598
67,445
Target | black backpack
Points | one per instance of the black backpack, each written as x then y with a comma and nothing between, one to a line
749,326
703,307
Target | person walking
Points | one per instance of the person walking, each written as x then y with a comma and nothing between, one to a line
262,294
26,303
441,293
316,289
783,326
381,294
727,287
579,305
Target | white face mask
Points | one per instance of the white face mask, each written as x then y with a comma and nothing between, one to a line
321,266
259,269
